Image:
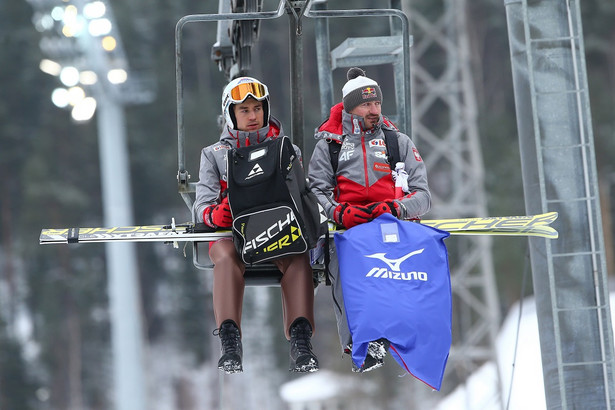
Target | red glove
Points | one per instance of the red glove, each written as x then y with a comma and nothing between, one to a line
386,207
351,215
218,216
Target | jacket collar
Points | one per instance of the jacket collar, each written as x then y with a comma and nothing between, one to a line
238,138
355,125
342,123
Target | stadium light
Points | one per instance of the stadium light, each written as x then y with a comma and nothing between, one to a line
83,50
84,109
77,36
50,67
60,98
69,76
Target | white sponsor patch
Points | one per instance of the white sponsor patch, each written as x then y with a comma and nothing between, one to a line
346,145
356,127
380,154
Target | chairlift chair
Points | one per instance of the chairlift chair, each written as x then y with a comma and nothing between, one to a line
267,274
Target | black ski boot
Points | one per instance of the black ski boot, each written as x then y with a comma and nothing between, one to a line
302,359
232,352
376,352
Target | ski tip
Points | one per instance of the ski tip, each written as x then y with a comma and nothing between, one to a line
550,216
545,232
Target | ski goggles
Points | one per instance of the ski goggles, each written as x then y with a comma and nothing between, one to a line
244,90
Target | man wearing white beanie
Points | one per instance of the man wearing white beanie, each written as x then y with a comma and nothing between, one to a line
351,172
360,90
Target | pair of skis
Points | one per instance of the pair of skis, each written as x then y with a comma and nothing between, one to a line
532,225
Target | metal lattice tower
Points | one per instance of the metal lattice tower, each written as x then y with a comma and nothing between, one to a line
559,170
445,129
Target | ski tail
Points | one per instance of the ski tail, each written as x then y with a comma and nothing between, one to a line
530,225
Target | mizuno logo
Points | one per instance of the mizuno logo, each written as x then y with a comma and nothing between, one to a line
382,273
256,170
394,271
394,264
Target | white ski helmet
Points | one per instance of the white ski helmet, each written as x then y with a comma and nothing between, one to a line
237,91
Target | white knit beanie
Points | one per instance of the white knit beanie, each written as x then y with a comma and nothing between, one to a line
359,89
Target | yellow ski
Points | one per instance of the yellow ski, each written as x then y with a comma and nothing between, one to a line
533,225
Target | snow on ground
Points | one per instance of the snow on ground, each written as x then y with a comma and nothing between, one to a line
332,390
524,368
518,350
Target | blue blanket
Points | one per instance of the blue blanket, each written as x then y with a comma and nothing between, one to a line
396,283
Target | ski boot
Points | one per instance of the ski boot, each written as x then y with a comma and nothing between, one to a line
376,352
232,352
302,359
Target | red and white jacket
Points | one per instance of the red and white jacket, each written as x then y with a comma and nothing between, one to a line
363,174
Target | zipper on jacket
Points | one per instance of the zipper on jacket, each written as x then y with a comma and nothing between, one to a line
365,170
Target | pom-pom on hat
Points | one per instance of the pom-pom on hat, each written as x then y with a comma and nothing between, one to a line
359,89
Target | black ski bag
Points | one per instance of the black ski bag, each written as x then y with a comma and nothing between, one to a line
274,214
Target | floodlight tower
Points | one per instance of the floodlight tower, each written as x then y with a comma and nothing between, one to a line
83,48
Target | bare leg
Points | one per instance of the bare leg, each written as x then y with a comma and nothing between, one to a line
297,290
229,283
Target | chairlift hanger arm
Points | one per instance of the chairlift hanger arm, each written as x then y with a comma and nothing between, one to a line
304,8
405,34
185,187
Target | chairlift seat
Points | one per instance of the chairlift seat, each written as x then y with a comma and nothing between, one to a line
262,274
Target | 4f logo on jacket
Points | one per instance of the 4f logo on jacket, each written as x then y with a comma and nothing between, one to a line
394,271
345,156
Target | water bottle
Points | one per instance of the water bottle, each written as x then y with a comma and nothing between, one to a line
401,179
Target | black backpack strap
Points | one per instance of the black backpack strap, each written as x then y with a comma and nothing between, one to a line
392,143
327,259
334,153
390,139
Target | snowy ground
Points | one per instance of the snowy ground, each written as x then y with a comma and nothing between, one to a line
519,357
520,368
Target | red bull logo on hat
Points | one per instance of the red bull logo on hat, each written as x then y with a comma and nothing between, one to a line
369,92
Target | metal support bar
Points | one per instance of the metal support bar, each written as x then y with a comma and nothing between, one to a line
296,77
404,111
184,186
322,54
296,67
555,134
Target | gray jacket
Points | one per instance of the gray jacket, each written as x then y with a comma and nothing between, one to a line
211,188
363,175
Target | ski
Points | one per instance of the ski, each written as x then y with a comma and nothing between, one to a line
533,225
145,233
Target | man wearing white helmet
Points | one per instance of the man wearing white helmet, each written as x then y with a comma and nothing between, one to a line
350,174
246,111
